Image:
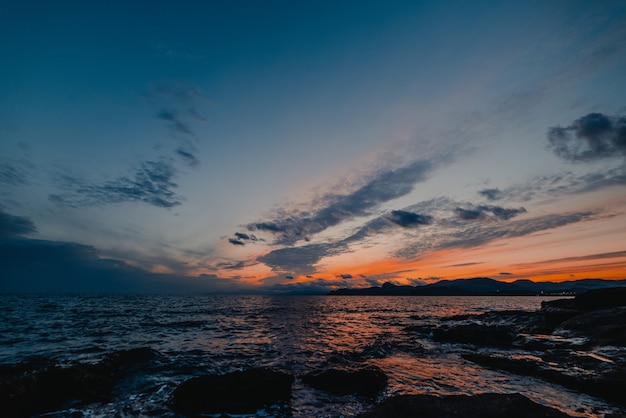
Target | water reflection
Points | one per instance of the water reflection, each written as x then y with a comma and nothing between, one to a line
200,334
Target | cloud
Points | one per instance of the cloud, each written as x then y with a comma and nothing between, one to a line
229,265
592,137
408,219
465,264
187,156
241,238
290,227
150,183
319,286
345,276
302,259
566,183
475,234
299,260
247,237
14,172
173,121
590,257
488,212
11,225
180,105
491,194
467,214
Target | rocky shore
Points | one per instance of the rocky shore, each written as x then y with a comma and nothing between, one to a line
578,343
31,389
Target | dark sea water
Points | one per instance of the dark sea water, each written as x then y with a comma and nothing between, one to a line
196,335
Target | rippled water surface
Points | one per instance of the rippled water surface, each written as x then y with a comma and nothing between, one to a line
217,334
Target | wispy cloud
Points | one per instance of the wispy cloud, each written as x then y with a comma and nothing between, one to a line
152,183
475,234
14,172
565,183
288,227
180,106
301,260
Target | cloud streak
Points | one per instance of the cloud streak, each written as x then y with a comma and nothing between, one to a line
13,172
408,219
180,105
291,227
152,183
475,234
486,212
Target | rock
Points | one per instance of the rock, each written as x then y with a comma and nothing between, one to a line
365,382
601,299
41,386
606,327
578,371
497,336
240,392
559,304
559,310
128,359
486,405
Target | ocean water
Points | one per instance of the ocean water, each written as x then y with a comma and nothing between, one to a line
196,335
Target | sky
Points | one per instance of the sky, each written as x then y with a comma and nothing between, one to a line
279,146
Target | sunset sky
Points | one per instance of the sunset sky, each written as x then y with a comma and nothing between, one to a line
276,146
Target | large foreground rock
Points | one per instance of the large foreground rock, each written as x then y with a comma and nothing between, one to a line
601,299
486,405
240,392
364,382
41,385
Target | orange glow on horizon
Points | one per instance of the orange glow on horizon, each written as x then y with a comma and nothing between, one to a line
588,249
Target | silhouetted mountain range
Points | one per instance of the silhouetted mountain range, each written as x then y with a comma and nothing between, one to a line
483,286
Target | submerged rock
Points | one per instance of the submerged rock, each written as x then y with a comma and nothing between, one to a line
42,386
368,381
497,336
240,392
486,405
587,373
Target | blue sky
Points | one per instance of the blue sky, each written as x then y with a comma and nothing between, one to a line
273,146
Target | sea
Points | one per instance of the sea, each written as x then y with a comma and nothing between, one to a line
200,334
